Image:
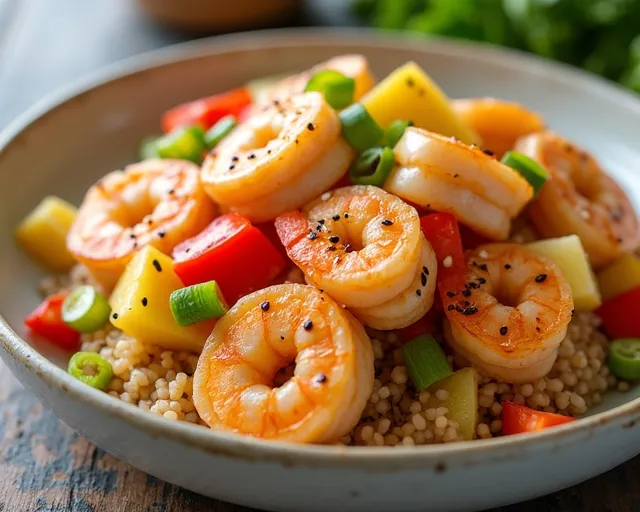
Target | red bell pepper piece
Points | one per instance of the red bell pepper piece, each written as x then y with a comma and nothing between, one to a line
621,314
46,321
232,252
206,112
471,239
517,419
442,232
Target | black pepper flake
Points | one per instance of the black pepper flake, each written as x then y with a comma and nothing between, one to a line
161,234
482,280
387,222
540,278
311,127
308,325
488,152
232,167
334,239
423,279
115,316
507,266
418,292
234,159
503,330
336,218
466,293
264,306
451,294
251,156
450,307
331,248
425,270
157,266
320,378
346,215
312,235
144,301
132,235
188,249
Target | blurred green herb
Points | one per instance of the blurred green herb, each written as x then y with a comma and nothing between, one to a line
602,36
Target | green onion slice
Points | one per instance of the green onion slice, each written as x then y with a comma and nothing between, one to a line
197,303
148,147
372,167
185,143
425,361
528,168
91,369
85,309
624,358
394,132
219,131
360,129
337,89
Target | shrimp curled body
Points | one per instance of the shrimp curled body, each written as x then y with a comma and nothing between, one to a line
444,174
155,202
266,331
364,247
580,198
511,315
278,159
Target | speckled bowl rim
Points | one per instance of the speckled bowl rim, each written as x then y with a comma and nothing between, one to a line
244,448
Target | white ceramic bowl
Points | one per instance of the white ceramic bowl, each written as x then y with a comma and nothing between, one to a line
66,143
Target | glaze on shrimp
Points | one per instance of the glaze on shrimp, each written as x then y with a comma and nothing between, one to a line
268,330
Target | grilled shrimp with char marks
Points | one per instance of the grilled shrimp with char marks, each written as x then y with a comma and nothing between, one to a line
499,123
580,198
443,174
155,202
364,247
278,159
233,386
511,313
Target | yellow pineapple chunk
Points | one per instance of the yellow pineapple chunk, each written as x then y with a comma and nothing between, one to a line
461,399
43,233
409,94
140,304
619,277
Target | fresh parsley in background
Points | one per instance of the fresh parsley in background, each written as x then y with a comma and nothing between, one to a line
602,36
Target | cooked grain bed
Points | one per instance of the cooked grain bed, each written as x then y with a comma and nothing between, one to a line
161,381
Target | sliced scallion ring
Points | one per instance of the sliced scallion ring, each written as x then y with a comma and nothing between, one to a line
360,129
337,89
85,309
196,303
624,358
148,147
185,143
90,368
372,167
425,361
219,131
528,168
395,131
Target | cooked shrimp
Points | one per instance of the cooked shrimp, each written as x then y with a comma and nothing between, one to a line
512,313
364,247
233,388
278,159
444,174
580,198
498,123
353,66
156,202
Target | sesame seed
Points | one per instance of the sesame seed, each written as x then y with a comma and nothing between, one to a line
488,152
234,159
144,301
418,292
425,270
325,196
346,215
320,378
483,254
232,167
157,266
450,307
161,234
334,239
447,262
311,127
251,156
312,235
115,316
423,279
450,294
540,278
503,330
264,306
336,218
507,266
387,222
308,325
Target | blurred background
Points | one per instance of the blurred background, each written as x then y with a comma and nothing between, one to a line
47,43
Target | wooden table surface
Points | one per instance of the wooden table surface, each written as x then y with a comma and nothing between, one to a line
44,465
